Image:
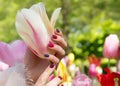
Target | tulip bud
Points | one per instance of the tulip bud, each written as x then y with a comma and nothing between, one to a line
111,46
92,70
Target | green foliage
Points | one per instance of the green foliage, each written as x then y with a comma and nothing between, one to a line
85,23
90,38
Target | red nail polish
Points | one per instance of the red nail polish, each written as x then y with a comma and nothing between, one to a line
54,36
57,30
46,55
62,85
52,65
60,77
50,44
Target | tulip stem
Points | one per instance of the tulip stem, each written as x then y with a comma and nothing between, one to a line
116,81
83,71
109,63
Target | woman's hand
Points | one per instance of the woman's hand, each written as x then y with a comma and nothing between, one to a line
35,65
44,79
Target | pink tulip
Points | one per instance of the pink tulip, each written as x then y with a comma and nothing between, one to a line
3,66
35,28
111,46
12,53
81,80
118,66
92,70
118,53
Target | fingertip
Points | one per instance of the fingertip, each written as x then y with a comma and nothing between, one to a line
61,85
58,32
55,82
46,55
50,45
60,77
54,36
51,58
52,65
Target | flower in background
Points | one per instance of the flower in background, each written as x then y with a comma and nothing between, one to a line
118,63
92,70
63,72
94,64
12,53
71,58
35,28
109,79
111,46
66,84
81,80
118,53
3,66
118,66
72,68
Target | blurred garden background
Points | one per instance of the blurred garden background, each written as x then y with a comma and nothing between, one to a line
85,24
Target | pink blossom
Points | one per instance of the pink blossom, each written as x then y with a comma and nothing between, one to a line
118,66
118,53
12,53
3,66
111,46
92,70
81,80
35,28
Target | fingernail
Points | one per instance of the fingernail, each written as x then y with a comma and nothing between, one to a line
52,65
50,44
60,77
46,55
57,30
62,85
54,36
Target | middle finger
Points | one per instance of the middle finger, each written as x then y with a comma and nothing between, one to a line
56,48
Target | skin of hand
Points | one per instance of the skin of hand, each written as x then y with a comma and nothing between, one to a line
36,66
43,80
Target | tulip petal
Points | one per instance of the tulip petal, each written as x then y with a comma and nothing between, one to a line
3,66
36,36
5,53
54,17
61,70
40,9
23,29
34,27
12,53
18,48
111,46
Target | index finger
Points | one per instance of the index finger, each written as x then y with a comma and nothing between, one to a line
58,32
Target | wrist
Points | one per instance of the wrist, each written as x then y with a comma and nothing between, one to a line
28,77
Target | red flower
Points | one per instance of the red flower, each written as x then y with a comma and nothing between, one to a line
108,79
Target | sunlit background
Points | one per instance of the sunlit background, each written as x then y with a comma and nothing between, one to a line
85,24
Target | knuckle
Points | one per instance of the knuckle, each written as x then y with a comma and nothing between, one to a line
65,45
54,59
62,52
